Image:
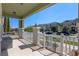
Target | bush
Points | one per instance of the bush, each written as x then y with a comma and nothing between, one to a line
29,29
56,39
55,45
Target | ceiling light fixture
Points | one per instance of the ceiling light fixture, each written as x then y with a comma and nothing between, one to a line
14,12
21,3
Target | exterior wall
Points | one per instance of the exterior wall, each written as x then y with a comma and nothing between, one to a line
0,26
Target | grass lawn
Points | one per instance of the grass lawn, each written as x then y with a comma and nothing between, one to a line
68,42
72,43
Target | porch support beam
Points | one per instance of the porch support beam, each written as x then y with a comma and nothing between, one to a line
6,24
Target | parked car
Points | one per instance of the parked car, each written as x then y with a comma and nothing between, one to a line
48,32
58,33
66,33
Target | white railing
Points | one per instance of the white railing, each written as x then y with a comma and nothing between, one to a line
64,45
61,44
28,36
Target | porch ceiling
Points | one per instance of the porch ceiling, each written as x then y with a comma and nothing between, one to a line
22,10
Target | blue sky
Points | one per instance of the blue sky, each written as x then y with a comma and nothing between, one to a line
56,13
14,23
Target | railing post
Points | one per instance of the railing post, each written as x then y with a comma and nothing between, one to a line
44,41
73,45
61,43
69,45
66,38
35,36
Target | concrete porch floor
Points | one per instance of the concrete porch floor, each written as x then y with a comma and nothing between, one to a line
20,49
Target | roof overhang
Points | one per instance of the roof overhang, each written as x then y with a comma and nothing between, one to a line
22,10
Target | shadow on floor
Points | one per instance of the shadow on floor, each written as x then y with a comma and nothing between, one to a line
25,46
4,53
7,42
41,50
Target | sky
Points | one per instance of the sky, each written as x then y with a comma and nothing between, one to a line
55,13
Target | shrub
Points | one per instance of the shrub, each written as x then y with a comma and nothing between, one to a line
29,29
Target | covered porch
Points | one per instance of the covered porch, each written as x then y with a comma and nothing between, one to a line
23,47
30,43
10,43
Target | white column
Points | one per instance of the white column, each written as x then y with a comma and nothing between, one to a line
21,29
35,35
0,25
44,46
20,33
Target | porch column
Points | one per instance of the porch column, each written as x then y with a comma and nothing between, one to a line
6,24
0,26
21,28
